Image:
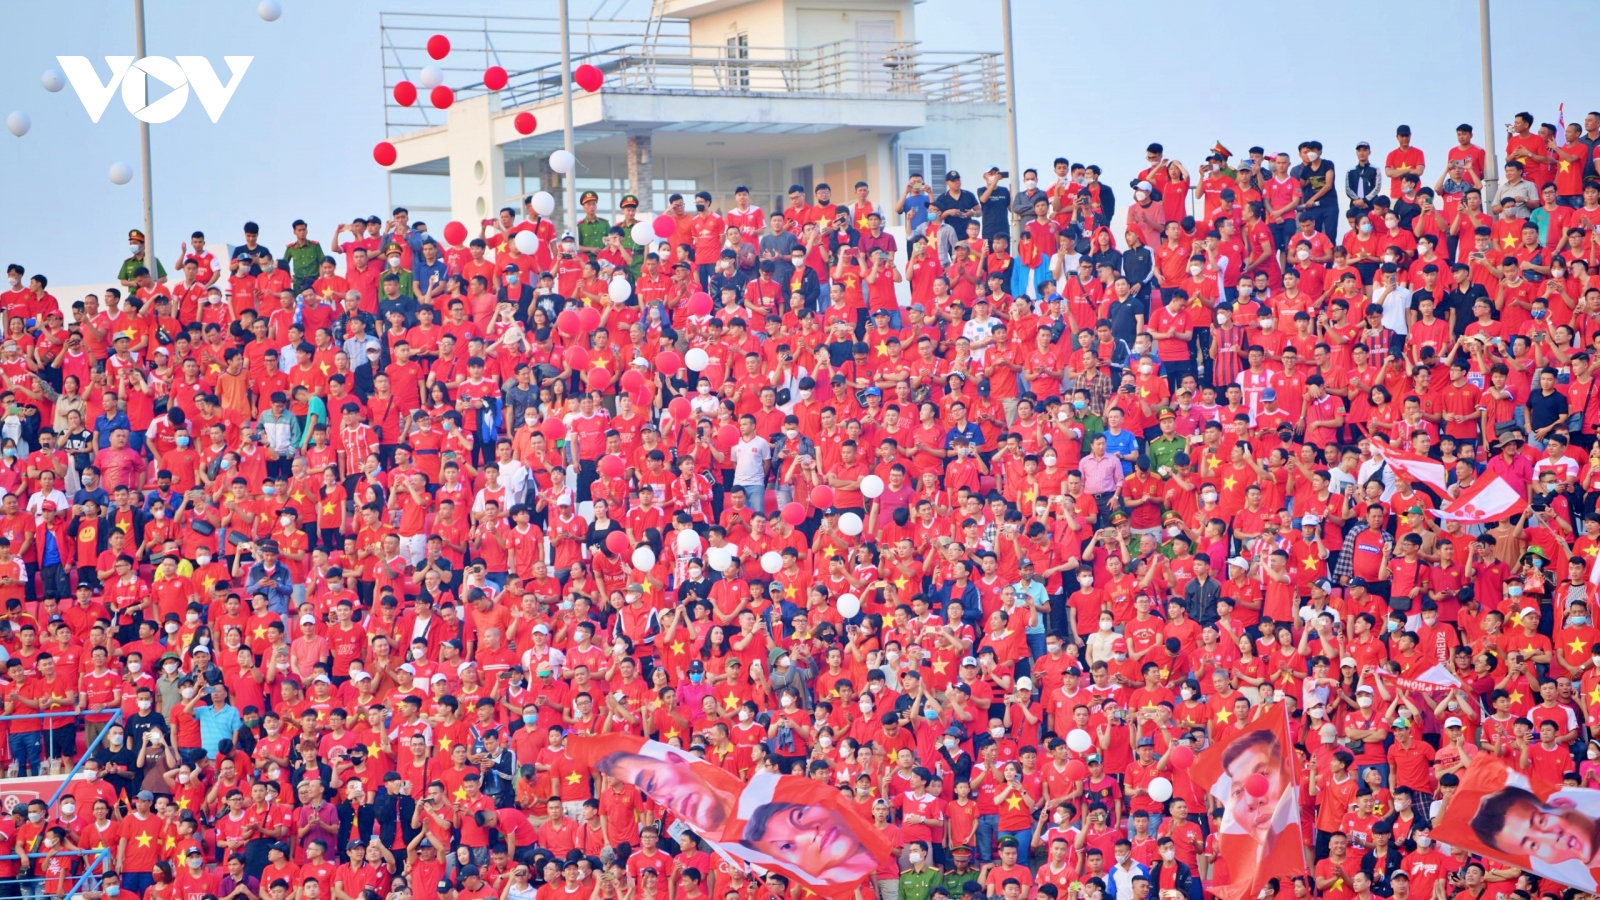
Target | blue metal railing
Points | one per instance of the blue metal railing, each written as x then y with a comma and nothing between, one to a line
116,719
99,864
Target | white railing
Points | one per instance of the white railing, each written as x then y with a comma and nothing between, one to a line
527,48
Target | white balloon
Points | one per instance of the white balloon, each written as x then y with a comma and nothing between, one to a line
696,359
620,289
644,559
527,242
544,203
431,76
269,10
849,605
719,558
688,541
53,80
562,162
1160,789
1078,740
871,486
18,123
643,234
121,173
850,524
771,562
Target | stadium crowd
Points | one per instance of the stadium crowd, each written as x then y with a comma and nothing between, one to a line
320,554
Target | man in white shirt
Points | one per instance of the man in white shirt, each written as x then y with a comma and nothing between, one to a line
750,457
1393,297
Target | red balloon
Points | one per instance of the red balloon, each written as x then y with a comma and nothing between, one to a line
1256,785
612,466
495,78
553,429
1181,757
631,380
525,123
822,496
727,436
680,409
578,358
663,226
567,322
641,397
455,233
617,541
1075,770
442,97
405,93
438,46
589,318
669,362
700,304
589,77
599,379
385,153
794,514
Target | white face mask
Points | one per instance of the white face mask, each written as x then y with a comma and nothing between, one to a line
1266,322
144,705
68,809
1173,531
1391,224
1146,369
394,262
1030,184
191,618
1364,701
172,628
997,732
1104,625
866,707
914,858
1303,254
186,693
1168,855
786,700
285,521
744,715
1141,196
1187,694
1196,270
824,742
1208,497
1049,461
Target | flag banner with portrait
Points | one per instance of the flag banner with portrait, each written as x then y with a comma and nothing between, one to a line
1550,830
799,828
1252,777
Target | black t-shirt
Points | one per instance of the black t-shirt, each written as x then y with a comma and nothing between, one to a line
1312,178
1461,302
1543,410
997,212
966,201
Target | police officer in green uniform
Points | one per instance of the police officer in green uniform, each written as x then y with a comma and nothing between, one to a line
1168,443
630,213
136,261
592,229
305,257
392,254
918,882
961,870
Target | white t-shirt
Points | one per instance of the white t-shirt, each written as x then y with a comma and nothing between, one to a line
750,462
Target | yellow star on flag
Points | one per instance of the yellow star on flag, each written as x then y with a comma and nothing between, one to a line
1576,646
327,509
1516,697
730,701
1224,716
672,734
572,778
183,802
861,221
324,368
1594,695
1508,242
374,749
260,633
444,741
677,646
1014,802
789,592
1592,550
297,497
883,349
1310,562
461,793
170,843
1565,165
830,551
939,665
144,840
901,582
1228,483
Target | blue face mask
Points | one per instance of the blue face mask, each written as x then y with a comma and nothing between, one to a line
183,440
1514,591
511,279
113,890
1392,625
225,464
1578,620
694,677
930,714
268,489
530,718
1080,405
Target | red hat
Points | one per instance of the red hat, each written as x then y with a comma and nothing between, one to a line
1120,645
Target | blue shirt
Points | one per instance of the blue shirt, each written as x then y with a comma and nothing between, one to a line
970,431
1119,443
917,207
216,724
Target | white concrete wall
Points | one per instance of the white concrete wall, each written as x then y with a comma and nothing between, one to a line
972,133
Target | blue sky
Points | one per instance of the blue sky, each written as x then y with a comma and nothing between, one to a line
295,142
